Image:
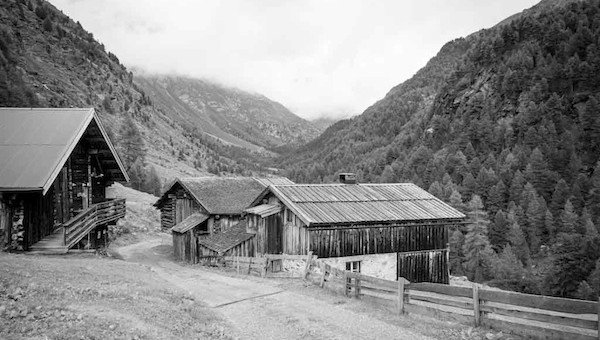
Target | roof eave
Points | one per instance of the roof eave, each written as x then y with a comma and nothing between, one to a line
112,148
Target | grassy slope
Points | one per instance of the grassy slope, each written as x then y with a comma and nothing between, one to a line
86,297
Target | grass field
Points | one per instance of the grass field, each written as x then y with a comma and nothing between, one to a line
86,297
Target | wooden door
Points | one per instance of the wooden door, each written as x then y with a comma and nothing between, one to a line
183,209
273,235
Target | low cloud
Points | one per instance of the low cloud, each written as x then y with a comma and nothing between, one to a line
315,57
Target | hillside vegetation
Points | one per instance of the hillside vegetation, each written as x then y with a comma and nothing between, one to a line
48,60
507,120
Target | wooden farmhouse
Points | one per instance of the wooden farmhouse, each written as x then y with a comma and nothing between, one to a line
353,220
197,208
54,169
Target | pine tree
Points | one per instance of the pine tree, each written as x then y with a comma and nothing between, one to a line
497,197
560,196
538,173
508,268
498,233
457,257
568,219
516,187
131,144
516,238
469,186
536,213
476,248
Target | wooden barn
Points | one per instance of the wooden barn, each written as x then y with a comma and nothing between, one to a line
56,165
352,220
197,208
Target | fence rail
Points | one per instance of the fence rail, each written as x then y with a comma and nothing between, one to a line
525,314
97,214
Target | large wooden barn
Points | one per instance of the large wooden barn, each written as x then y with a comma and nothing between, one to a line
56,165
196,208
348,219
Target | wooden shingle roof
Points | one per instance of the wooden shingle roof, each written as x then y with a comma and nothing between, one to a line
222,195
189,223
321,204
228,239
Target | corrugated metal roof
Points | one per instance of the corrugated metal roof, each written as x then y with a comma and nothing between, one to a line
363,203
228,239
35,143
189,223
264,210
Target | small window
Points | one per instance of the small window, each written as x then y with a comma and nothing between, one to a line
289,215
353,266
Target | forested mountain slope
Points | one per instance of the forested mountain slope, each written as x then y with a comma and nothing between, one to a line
48,60
507,119
237,117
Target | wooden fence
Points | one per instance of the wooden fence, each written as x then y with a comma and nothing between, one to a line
525,314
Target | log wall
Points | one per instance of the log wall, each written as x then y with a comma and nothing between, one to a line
5,225
426,266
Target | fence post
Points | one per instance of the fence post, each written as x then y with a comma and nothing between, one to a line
325,270
476,311
400,295
307,267
357,288
249,266
345,278
237,260
598,326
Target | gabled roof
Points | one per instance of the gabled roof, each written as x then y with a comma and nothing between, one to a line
36,143
228,239
221,195
189,223
322,204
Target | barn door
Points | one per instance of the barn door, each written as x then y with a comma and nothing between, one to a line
183,209
274,234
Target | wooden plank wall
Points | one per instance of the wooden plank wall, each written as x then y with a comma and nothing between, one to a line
38,220
5,224
167,212
426,266
225,222
367,239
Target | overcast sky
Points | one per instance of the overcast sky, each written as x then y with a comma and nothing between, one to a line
314,56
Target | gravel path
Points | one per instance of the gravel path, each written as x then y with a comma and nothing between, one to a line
259,309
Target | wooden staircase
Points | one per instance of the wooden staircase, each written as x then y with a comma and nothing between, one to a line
72,231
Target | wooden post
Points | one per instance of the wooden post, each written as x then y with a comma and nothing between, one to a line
237,260
264,273
400,296
357,287
345,278
307,267
598,318
249,266
325,270
476,311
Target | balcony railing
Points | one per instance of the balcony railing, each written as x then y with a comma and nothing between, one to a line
96,215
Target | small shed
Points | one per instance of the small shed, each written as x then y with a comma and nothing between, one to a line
221,199
55,165
233,242
185,237
352,220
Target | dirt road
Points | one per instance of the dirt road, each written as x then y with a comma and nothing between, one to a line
262,309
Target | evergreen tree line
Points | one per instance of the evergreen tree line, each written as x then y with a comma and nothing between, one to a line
511,136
